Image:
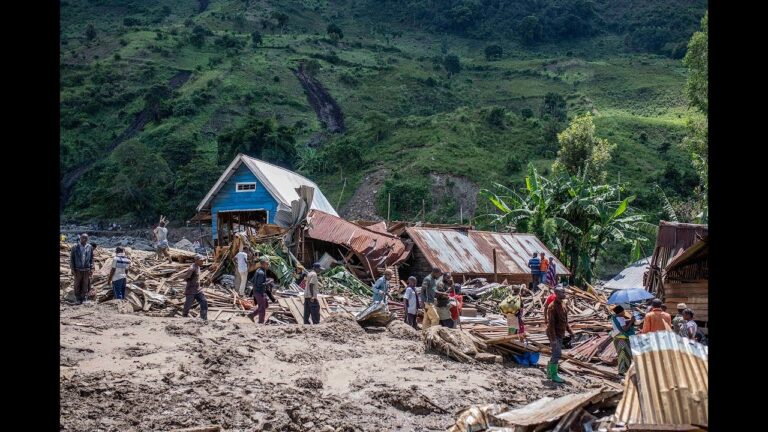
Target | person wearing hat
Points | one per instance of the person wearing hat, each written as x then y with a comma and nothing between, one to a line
557,325
311,305
259,281
81,265
678,320
381,287
623,327
193,291
428,294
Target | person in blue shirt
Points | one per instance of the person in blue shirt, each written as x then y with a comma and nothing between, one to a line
381,287
535,265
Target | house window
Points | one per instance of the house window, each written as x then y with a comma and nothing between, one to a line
246,187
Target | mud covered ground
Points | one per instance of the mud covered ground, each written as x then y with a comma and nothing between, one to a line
132,372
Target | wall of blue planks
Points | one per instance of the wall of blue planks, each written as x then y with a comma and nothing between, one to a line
228,198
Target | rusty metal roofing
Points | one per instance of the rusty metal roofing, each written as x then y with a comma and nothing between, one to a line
377,248
548,409
471,252
668,382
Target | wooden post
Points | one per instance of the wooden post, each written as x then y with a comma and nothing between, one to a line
495,274
423,210
389,204
461,214
342,192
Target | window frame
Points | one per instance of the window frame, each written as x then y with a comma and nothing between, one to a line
237,187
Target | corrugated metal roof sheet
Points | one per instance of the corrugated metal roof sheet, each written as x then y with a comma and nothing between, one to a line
378,248
670,383
630,277
471,252
280,182
547,409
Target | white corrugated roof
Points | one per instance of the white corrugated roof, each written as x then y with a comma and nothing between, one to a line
280,182
630,277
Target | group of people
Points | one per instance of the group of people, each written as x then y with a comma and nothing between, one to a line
656,319
543,270
439,297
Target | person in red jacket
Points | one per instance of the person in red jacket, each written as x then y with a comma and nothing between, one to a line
454,292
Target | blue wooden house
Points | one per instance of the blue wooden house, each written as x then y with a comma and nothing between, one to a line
252,192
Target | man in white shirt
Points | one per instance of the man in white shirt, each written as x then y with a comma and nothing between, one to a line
411,303
161,236
311,306
118,275
241,272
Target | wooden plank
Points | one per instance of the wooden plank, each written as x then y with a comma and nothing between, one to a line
217,315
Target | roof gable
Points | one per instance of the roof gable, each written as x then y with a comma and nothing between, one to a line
279,182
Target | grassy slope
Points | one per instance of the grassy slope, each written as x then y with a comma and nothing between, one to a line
440,128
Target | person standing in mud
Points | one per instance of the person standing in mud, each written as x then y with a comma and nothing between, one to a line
118,275
557,325
193,291
428,293
411,303
311,288
260,290
81,265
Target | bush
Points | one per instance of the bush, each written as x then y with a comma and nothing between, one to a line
512,165
526,113
348,79
496,117
406,197
90,32
131,22
493,52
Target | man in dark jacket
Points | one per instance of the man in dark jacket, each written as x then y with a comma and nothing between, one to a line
260,290
81,265
557,325
193,291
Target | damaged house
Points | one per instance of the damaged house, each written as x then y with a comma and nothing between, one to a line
251,193
679,268
470,254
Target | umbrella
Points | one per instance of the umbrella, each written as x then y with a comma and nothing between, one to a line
629,296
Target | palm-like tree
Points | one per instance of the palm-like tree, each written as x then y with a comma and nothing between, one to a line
572,216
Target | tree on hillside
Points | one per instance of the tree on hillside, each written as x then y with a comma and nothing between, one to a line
281,18
581,151
554,107
134,184
696,59
452,64
256,38
190,185
334,32
197,38
696,140
90,32
378,124
530,30
263,139
493,52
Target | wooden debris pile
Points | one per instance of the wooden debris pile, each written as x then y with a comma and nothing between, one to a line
579,411
458,345
588,315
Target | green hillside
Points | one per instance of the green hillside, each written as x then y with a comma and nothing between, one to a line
156,96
